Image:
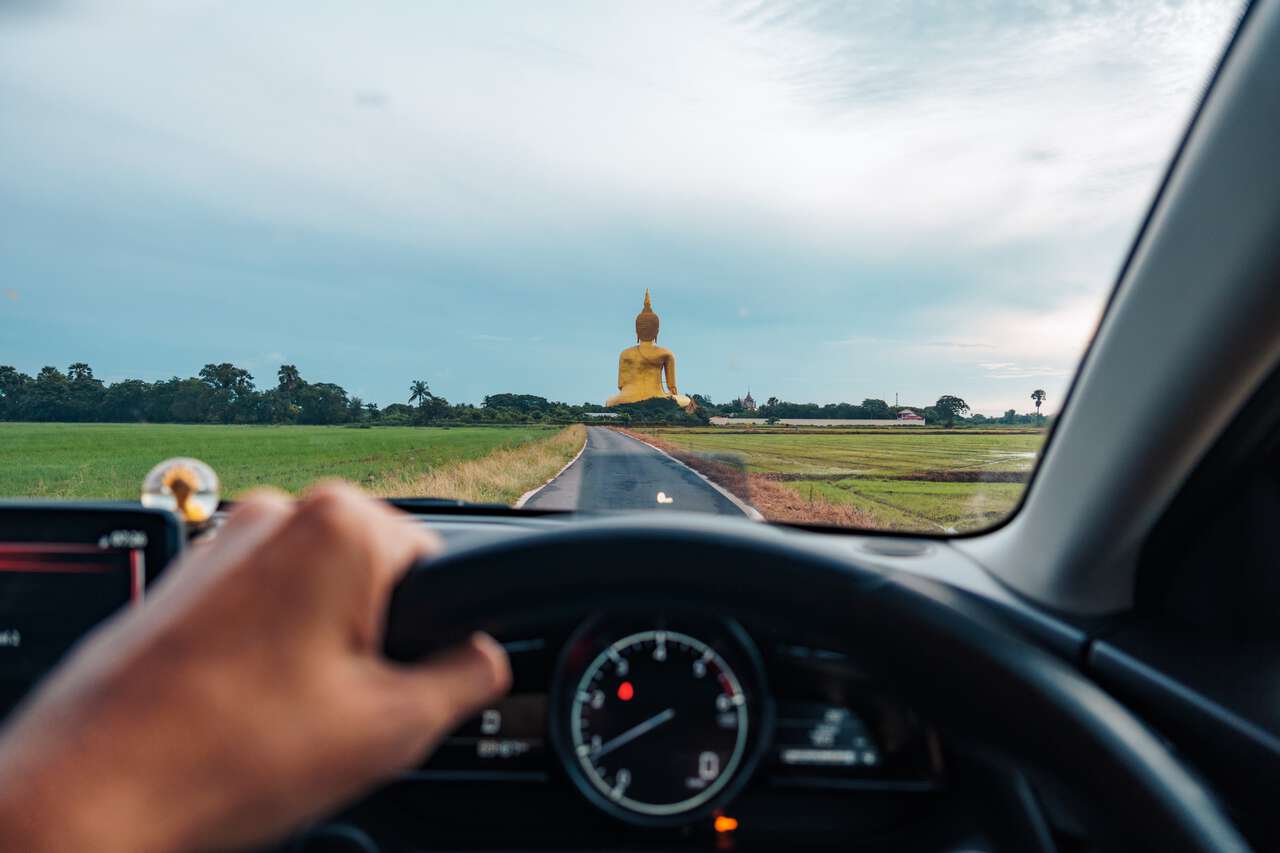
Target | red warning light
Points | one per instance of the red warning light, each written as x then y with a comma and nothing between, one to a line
626,691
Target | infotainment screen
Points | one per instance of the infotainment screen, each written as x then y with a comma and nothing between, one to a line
63,569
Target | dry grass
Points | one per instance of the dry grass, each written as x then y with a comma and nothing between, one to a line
500,477
774,501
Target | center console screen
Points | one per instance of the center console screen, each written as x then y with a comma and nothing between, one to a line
63,570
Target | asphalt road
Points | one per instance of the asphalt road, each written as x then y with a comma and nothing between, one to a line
616,472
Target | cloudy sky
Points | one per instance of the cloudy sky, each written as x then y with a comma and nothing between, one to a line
829,200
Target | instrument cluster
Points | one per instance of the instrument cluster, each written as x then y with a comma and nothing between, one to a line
665,720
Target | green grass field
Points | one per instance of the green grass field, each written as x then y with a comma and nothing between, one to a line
906,480
109,460
917,480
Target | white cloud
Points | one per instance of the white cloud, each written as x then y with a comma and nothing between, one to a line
1009,370
1006,151
1042,343
1053,337
843,123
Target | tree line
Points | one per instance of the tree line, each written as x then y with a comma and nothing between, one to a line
226,394
949,410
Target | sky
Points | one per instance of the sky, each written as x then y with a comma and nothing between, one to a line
828,200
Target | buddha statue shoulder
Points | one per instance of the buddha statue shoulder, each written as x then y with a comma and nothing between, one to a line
643,367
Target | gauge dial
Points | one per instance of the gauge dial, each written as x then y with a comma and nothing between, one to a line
658,723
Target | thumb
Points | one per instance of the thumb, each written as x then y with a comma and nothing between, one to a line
446,689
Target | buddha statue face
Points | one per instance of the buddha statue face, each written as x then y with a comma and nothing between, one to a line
647,322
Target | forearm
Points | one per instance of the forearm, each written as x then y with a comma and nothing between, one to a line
77,774
51,800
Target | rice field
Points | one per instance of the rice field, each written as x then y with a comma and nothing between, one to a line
59,460
922,480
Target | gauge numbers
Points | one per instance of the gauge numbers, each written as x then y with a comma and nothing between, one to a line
659,723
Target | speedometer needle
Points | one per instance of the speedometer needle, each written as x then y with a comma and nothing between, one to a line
635,732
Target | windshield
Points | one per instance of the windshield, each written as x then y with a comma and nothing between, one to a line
807,261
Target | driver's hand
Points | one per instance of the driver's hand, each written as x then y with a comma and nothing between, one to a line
246,696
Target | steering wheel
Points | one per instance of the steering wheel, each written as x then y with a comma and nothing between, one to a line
957,663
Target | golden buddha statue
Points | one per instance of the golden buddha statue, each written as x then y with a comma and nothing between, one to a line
641,367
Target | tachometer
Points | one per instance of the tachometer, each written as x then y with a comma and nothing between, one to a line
658,724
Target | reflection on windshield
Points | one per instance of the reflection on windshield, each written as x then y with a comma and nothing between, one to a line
817,262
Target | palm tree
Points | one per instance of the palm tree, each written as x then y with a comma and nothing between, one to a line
288,377
419,392
1038,395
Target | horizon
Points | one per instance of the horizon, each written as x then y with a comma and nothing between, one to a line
259,386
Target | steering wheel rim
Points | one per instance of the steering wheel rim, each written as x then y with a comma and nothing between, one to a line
931,641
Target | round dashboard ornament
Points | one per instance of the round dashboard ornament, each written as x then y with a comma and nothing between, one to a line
658,725
185,486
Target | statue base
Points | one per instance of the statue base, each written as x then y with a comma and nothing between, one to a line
662,410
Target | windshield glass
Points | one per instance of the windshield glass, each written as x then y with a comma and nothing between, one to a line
829,262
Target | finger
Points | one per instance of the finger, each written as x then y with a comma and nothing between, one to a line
425,544
338,558
409,544
255,518
443,691
407,541
391,540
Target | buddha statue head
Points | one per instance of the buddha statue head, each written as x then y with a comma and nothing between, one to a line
647,322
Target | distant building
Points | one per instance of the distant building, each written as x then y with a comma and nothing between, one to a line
601,414
908,415
748,402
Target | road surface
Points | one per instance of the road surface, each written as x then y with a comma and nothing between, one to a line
617,472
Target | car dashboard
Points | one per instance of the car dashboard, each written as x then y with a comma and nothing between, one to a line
673,727
772,742
646,727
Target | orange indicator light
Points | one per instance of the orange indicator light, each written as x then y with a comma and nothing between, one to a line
626,691
724,823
